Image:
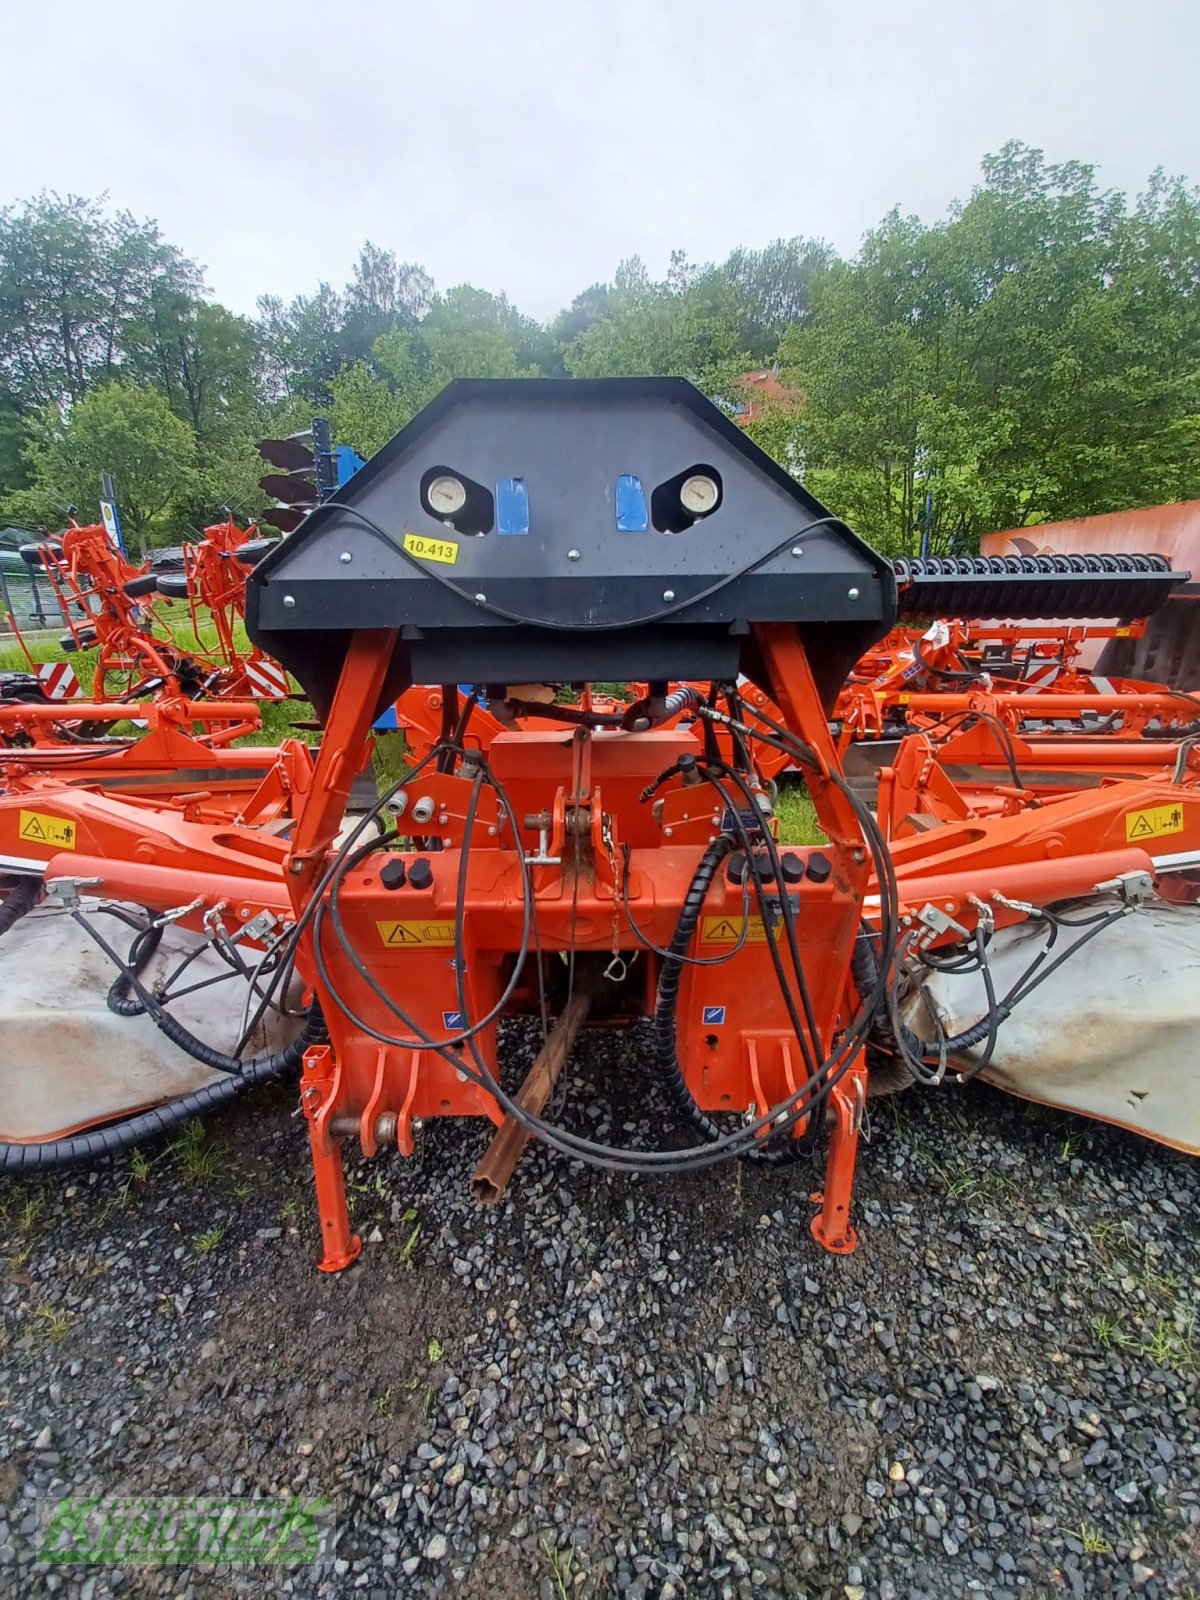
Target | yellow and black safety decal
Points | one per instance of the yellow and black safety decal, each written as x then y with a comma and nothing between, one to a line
728,930
411,935
443,550
1152,822
39,827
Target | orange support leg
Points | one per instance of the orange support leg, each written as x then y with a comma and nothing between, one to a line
831,1226
318,1094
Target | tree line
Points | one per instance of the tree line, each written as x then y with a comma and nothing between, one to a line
1032,355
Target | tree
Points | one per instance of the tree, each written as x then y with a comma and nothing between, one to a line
122,428
467,333
1034,356
382,294
201,357
72,280
683,327
773,288
301,344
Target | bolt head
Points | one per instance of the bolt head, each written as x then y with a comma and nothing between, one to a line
481,598
345,558
289,600
852,594
572,555
797,551
668,595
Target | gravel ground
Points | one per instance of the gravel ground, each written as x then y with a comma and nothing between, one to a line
612,1386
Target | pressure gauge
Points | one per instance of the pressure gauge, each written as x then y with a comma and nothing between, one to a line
699,494
446,496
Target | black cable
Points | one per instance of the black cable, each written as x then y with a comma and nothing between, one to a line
119,999
666,1020
306,916
554,625
685,960
777,1120
786,914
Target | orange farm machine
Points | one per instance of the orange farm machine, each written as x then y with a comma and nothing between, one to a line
115,608
611,624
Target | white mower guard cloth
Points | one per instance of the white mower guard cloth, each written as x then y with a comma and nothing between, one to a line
67,1062
1113,1033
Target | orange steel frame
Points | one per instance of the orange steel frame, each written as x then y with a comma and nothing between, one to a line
890,684
585,787
216,582
89,576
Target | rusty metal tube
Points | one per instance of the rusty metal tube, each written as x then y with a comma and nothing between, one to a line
491,1177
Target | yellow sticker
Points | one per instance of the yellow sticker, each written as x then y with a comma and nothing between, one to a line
443,550
728,930
41,828
409,935
1122,633
1149,824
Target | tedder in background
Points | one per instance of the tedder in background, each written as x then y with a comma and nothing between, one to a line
582,859
114,608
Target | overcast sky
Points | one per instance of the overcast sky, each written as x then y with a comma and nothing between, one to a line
528,146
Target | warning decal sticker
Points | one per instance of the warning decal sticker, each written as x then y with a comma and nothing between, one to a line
443,550
38,827
410,935
728,930
1152,822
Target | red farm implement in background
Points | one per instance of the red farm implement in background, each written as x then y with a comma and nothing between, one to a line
213,582
110,606
573,857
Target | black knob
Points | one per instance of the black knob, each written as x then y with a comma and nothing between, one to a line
420,874
735,869
764,869
793,867
393,874
819,868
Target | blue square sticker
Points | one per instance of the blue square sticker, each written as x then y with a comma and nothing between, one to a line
452,1019
712,1016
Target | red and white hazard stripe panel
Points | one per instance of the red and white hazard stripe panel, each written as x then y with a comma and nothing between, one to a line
1040,676
267,679
58,680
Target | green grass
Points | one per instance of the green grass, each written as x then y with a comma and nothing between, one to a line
51,1323
199,1160
797,815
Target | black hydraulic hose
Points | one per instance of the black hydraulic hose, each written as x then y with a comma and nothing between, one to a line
19,901
120,998
943,674
686,699
665,1015
864,968
276,1065
79,1149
